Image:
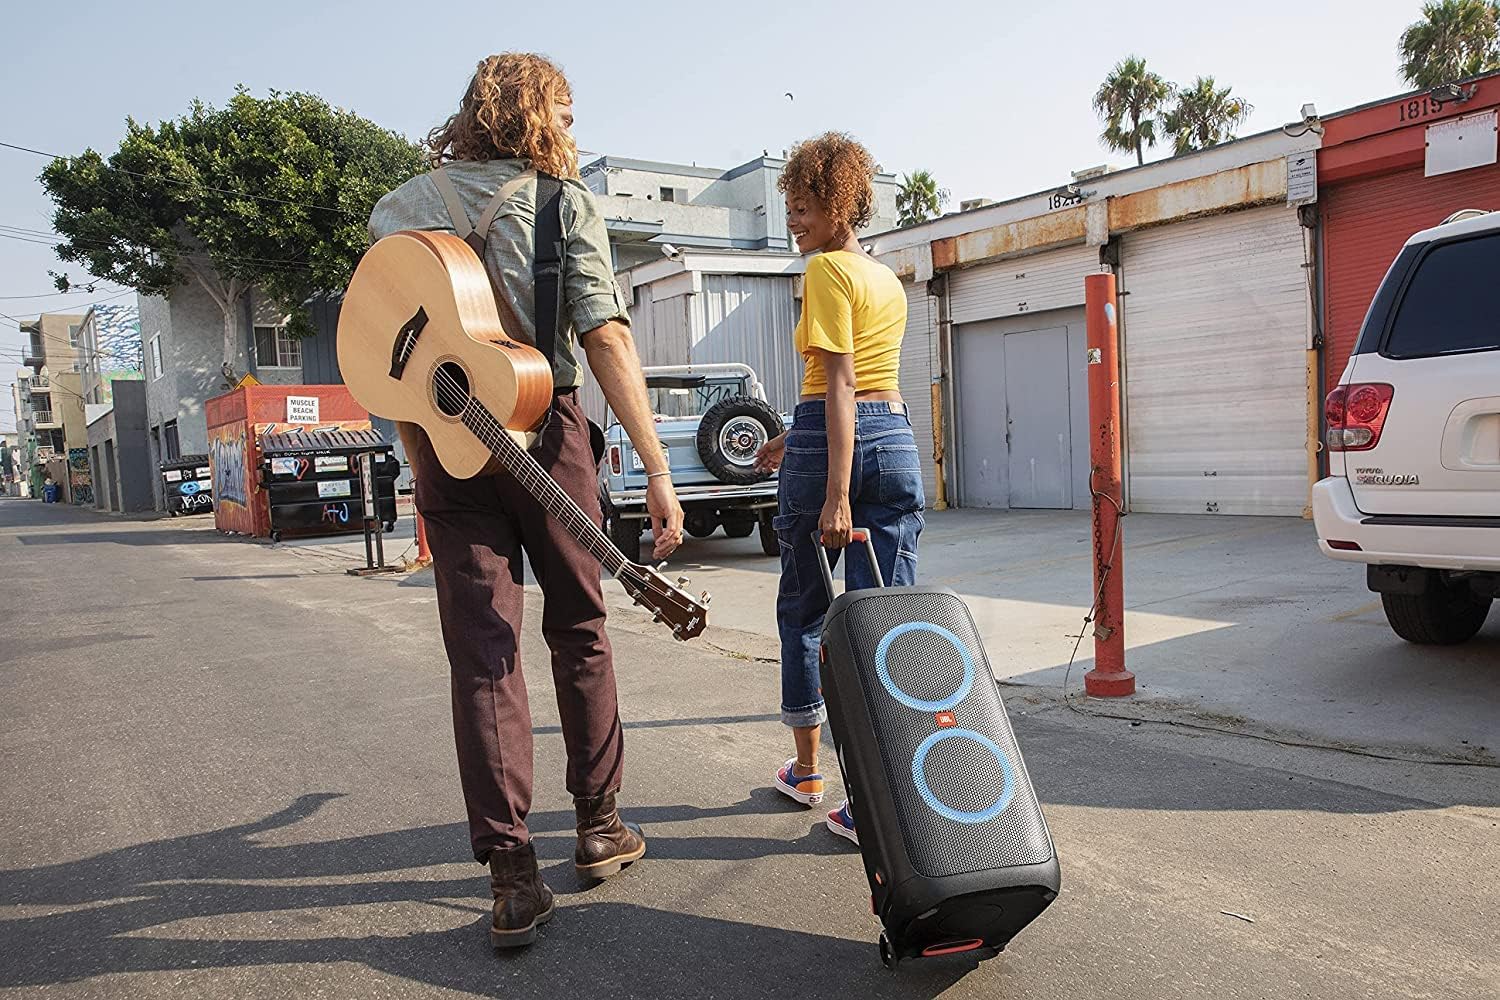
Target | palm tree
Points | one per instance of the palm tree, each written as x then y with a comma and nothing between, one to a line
1205,115
1455,39
919,198
1131,94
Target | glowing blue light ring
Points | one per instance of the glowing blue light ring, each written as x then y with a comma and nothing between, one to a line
924,706
919,775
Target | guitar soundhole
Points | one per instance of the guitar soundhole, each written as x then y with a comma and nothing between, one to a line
450,388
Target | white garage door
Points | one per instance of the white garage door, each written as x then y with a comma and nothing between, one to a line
1035,283
1215,331
919,361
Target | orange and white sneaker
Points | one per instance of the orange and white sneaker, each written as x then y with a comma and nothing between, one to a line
805,788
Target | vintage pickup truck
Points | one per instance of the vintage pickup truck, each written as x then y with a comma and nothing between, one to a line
711,420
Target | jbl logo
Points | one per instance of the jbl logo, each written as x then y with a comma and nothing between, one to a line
945,720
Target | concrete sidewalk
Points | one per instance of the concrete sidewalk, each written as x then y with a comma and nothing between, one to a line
1239,622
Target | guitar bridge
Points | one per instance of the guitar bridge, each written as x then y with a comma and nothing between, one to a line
406,341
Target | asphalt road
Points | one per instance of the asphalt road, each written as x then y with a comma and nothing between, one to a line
228,772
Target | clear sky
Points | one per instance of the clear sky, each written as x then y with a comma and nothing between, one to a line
992,97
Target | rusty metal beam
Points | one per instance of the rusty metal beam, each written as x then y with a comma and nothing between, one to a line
1039,232
1242,187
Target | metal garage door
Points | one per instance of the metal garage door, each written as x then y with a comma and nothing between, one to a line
1022,438
1215,337
1035,283
919,361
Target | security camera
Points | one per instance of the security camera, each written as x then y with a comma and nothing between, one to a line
1452,93
671,252
1309,112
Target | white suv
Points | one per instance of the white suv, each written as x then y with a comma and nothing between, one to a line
1414,436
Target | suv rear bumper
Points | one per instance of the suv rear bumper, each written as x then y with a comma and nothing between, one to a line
737,497
1431,543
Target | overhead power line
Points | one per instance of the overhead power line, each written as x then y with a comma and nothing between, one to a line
196,184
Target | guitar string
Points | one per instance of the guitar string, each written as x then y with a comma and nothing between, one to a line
526,469
529,472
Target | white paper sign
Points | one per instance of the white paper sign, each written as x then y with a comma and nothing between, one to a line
302,409
330,463
335,488
283,465
1302,178
1461,144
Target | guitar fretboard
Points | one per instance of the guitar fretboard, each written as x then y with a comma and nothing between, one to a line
531,475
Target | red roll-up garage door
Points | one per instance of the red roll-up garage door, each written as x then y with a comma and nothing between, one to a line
1366,222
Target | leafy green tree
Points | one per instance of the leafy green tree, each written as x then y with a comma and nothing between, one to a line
918,198
1453,40
1204,115
1128,101
272,193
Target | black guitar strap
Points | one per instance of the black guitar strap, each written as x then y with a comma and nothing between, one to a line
549,251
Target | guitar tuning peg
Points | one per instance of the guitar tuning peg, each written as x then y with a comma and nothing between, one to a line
661,567
706,598
683,581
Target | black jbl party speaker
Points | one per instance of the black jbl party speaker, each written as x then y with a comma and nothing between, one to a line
954,842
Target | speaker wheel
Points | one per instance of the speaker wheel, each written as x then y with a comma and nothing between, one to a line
887,956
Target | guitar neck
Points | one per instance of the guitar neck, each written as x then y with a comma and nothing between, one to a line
539,484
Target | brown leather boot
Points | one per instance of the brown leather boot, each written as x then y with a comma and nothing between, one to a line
605,844
522,899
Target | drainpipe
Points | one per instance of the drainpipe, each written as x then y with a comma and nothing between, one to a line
941,397
1307,215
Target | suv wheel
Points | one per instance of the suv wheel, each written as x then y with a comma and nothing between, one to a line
625,532
730,434
739,527
1445,614
769,544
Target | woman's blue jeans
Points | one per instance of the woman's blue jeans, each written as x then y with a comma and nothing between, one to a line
885,497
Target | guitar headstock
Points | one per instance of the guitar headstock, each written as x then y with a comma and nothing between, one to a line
668,602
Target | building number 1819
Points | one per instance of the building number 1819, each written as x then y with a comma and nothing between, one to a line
1420,108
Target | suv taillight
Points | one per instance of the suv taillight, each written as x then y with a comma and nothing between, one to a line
616,466
1356,415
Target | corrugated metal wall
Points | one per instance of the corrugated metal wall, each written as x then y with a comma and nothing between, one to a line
752,319
1365,224
740,318
919,360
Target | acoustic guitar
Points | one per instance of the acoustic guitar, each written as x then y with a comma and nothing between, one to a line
420,340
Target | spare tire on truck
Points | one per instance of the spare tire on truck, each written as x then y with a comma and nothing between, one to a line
730,434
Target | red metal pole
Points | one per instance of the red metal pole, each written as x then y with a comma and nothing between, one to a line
424,557
1109,678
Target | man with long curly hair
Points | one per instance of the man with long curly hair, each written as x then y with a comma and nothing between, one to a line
508,160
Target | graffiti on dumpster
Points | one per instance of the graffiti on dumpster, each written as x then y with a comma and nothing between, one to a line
336,513
227,452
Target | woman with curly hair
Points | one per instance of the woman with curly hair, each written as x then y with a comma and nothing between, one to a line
850,458
506,168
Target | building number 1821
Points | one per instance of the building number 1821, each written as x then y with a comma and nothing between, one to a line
1420,108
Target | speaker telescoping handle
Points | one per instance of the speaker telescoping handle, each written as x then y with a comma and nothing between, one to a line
856,535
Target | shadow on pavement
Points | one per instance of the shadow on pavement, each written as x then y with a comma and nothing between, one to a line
117,907
135,537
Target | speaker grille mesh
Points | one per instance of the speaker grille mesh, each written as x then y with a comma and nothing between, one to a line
976,813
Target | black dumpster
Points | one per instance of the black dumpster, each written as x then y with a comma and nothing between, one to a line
188,485
313,483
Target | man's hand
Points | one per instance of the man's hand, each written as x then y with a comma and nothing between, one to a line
771,454
835,522
666,516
